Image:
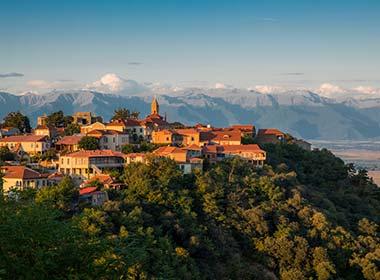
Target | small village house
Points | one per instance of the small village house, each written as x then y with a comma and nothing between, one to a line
21,177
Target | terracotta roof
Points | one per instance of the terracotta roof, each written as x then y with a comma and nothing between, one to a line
70,140
226,135
242,148
132,122
232,148
87,190
118,122
20,172
102,178
95,153
270,131
187,131
101,132
192,147
166,150
24,138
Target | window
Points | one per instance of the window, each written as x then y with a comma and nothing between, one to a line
141,130
113,140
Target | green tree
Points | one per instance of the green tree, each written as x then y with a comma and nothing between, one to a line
121,113
6,154
89,143
18,120
72,129
63,196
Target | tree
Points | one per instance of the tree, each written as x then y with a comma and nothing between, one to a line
18,120
62,196
6,154
58,119
121,113
72,129
88,143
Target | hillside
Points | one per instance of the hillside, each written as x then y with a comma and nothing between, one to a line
302,113
305,215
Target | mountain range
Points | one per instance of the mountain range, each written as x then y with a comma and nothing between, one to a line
302,113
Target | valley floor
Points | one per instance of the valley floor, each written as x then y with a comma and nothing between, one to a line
364,154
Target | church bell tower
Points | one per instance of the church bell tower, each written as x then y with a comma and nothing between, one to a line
155,108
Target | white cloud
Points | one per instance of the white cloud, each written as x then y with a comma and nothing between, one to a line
113,83
367,90
267,89
328,89
222,86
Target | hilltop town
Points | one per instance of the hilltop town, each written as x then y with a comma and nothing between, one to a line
88,149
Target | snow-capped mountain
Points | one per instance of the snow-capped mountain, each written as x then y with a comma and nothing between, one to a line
301,112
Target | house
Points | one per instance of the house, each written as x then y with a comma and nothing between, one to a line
225,137
86,164
136,157
182,157
117,125
245,129
270,135
104,179
93,126
252,153
44,130
22,177
69,143
85,118
30,144
110,139
92,196
167,136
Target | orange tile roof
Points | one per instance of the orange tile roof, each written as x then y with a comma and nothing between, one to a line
24,138
192,147
166,150
70,140
87,190
270,131
226,135
20,172
231,148
95,153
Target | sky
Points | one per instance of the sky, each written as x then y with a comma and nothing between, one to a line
48,44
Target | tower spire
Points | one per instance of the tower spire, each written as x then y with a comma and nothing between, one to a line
155,108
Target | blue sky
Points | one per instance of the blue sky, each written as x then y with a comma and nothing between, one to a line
301,43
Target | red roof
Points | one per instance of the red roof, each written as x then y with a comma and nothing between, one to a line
87,190
226,136
20,172
70,140
24,138
270,131
166,150
232,148
95,153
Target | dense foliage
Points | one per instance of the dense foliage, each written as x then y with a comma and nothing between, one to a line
306,215
88,143
71,129
124,113
18,120
58,119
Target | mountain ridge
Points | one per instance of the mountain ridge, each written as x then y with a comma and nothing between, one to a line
303,113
